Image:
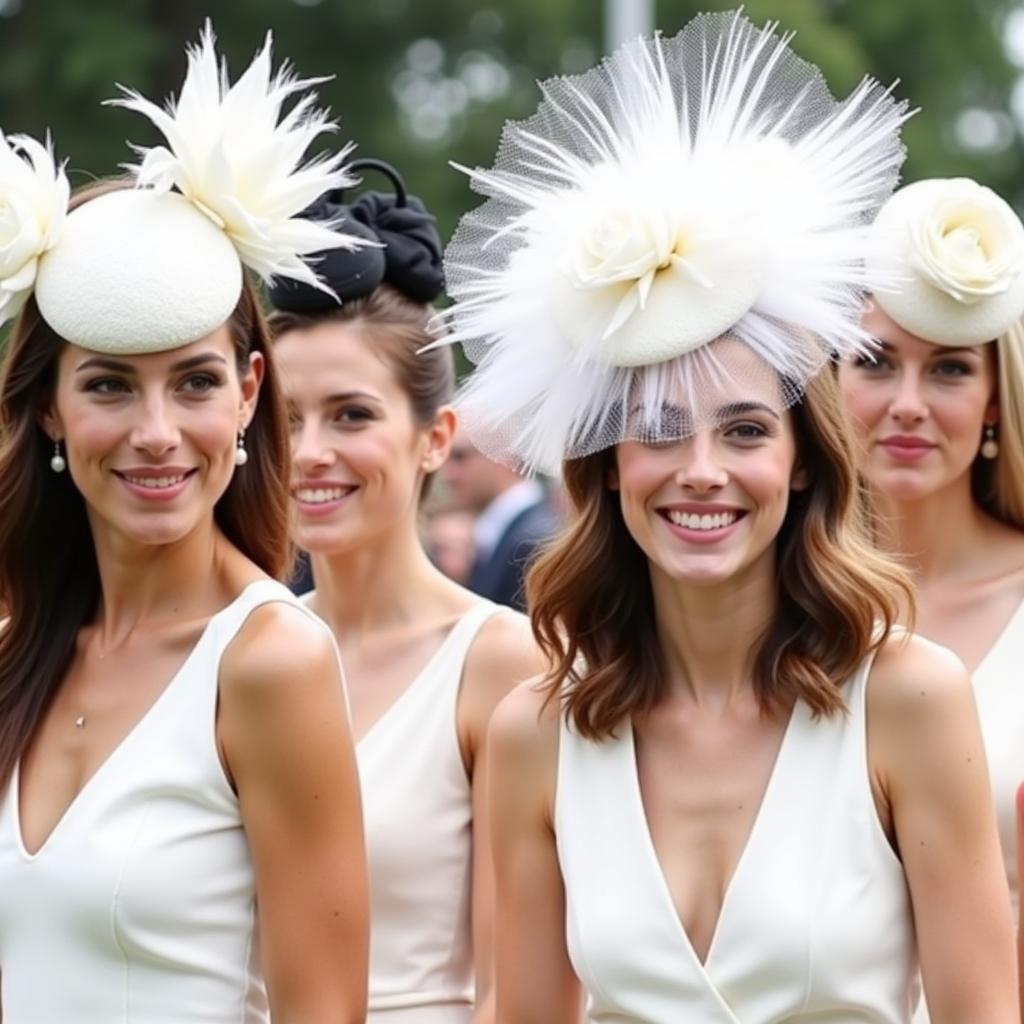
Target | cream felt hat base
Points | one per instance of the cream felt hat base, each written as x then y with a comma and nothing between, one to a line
934,296
138,271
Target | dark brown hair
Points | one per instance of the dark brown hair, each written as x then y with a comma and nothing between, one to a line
837,598
49,580
397,329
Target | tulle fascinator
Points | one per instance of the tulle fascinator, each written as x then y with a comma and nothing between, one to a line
956,250
157,266
689,213
402,248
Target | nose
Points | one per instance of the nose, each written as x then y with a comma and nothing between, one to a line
700,469
908,404
156,432
309,451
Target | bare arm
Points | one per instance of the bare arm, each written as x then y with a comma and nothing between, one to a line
534,979
928,759
503,655
285,738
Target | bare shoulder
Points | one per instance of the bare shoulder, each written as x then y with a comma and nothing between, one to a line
912,676
504,652
524,727
278,647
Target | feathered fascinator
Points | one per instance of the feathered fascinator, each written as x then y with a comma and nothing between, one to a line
682,223
160,265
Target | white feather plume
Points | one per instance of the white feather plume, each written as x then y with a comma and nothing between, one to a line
34,195
683,191
231,152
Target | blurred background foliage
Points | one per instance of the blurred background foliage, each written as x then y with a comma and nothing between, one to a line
422,82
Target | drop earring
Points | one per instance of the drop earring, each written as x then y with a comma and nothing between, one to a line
990,446
241,455
57,461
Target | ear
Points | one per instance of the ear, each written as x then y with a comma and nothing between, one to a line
611,480
800,479
437,440
50,423
991,418
249,387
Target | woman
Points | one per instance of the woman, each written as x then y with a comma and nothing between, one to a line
426,661
180,813
739,795
939,412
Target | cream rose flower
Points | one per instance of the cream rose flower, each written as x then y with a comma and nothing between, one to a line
34,195
968,243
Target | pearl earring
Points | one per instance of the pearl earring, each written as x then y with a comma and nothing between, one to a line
57,462
241,455
990,446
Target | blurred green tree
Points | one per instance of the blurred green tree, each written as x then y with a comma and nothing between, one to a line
420,83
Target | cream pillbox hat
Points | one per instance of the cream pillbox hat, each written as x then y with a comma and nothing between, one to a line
956,252
157,266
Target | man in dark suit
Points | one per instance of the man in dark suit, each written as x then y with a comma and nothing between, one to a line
513,518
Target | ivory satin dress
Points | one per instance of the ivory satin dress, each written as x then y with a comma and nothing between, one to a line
139,907
999,693
816,922
418,813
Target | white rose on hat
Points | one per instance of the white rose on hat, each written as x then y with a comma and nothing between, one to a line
954,251
33,200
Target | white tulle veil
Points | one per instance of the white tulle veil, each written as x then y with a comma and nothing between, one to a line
684,204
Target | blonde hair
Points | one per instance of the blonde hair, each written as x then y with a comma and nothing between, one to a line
998,484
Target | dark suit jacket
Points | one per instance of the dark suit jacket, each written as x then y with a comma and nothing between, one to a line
500,575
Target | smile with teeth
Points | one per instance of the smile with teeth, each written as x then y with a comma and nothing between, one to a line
321,495
155,483
695,521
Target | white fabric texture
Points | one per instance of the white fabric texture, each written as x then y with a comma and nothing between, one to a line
417,808
139,907
685,190
816,923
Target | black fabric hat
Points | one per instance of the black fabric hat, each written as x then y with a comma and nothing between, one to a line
408,255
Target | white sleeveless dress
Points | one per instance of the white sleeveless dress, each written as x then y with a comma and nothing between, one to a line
999,693
816,923
418,814
139,908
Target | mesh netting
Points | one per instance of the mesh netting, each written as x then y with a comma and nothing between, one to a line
683,201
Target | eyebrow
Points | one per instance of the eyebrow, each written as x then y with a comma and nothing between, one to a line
116,366
942,350
348,396
742,408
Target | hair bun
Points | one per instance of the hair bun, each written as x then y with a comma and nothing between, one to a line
407,253
412,246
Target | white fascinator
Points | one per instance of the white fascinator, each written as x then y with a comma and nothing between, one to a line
687,201
956,250
157,266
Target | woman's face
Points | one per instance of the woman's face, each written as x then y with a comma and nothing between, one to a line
707,510
359,456
919,409
150,440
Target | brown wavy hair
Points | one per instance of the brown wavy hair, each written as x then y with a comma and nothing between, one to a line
837,598
397,329
49,579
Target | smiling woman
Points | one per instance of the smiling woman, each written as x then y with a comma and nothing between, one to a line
739,794
180,835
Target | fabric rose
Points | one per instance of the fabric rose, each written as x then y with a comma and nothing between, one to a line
969,243
34,195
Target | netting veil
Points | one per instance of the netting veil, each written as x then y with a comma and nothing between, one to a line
682,222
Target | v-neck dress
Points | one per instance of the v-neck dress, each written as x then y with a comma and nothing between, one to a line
999,692
139,908
816,922
418,814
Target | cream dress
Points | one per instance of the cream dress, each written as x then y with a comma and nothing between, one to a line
816,922
418,811
139,907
